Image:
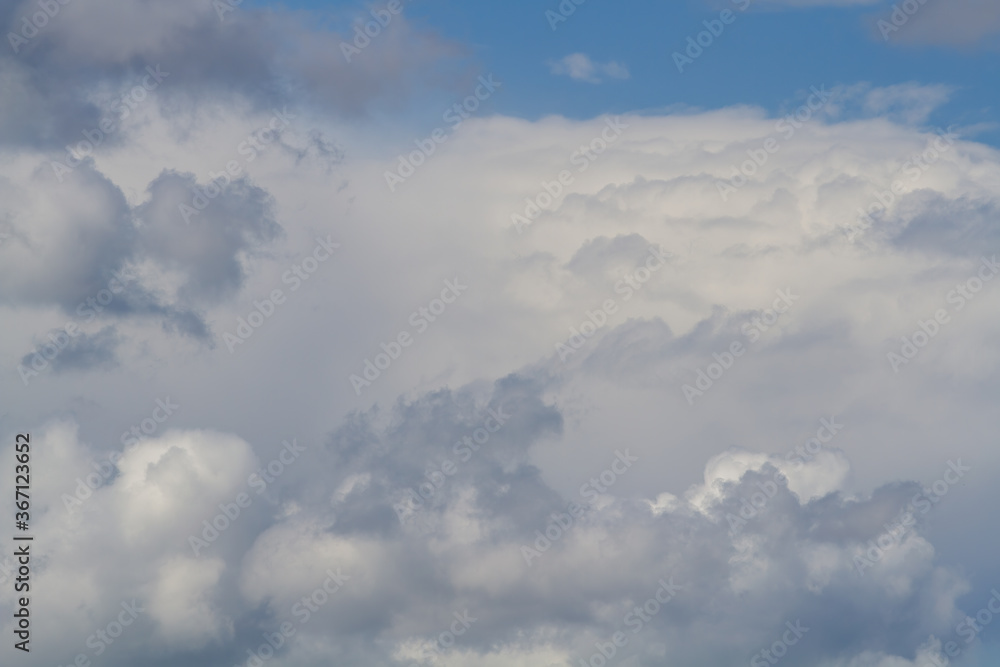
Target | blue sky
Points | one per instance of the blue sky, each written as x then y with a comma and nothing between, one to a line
764,58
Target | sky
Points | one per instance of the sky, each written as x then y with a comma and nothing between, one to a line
509,334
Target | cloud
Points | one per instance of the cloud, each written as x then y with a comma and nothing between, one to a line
908,103
63,249
249,54
97,257
478,502
205,245
580,67
961,23
82,352
493,543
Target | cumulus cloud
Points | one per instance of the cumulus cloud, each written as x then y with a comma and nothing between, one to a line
676,513
526,567
608,418
144,506
96,257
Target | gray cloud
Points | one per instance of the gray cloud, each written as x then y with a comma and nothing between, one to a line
85,256
206,249
960,23
248,54
739,581
83,352
933,224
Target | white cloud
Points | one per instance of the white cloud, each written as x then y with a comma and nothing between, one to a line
579,67
181,603
655,185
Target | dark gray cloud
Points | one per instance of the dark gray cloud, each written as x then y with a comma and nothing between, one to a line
267,57
83,352
423,434
68,251
931,223
205,248
83,254
793,560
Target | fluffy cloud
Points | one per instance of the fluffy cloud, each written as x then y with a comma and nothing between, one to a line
731,563
442,492
465,548
98,258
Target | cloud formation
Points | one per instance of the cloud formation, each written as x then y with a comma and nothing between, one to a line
663,422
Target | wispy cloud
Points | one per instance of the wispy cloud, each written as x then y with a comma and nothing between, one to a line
579,67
